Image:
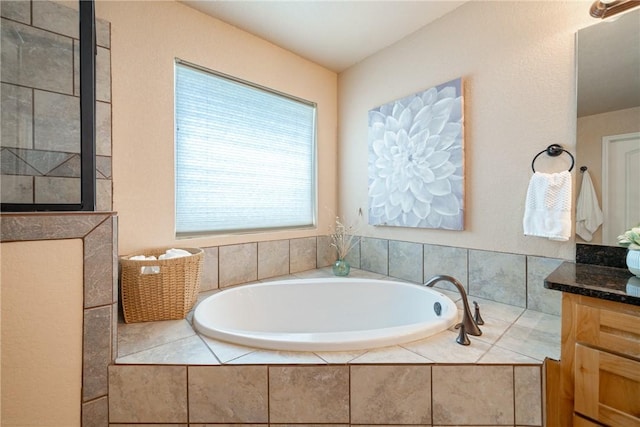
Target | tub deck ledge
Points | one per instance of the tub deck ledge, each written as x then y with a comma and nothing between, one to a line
511,335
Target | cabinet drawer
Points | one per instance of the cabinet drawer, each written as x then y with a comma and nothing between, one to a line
611,330
607,387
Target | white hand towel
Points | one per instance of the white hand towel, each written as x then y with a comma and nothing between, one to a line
588,214
547,211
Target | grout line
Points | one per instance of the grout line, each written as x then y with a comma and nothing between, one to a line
431,400
268,395
187,391
513,376
210,349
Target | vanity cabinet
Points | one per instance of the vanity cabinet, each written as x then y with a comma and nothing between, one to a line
597,381
600,362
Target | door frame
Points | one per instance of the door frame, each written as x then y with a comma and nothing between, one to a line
607,141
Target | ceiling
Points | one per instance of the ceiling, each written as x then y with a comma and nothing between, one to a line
334,34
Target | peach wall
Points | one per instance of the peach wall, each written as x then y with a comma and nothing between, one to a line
146,37
591,129
42,289
517,63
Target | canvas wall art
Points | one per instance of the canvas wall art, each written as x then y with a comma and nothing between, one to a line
416,160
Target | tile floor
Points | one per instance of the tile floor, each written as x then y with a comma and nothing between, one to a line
511,335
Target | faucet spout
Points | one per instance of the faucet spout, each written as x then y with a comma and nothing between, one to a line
470,325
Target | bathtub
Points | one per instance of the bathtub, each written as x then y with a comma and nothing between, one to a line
332,314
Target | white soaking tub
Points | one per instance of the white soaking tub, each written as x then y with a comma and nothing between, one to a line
333,314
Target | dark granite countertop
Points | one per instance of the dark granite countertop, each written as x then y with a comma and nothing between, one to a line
609,283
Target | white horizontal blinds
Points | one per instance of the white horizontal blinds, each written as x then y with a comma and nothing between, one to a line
245,157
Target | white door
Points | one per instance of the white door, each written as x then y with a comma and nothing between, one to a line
620,184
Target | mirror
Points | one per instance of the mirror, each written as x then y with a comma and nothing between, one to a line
608,96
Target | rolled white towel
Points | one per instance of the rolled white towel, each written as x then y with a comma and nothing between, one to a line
148,269
153,269
143,258
174,253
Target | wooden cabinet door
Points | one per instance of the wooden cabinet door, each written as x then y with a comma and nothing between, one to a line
607,387
614,331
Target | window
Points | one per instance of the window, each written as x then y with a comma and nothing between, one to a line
245,155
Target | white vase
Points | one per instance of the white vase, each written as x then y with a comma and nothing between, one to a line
633,261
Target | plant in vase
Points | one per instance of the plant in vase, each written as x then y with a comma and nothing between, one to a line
343,239
631,240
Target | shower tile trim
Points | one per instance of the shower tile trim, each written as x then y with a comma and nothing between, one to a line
98,231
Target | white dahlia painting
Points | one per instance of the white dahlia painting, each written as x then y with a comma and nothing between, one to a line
416,160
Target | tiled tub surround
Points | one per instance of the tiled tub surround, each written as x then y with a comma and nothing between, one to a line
168,374
339,395
497,380
512,279
40,149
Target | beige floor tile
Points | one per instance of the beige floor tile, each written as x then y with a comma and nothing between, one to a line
339,357
300,425
225,351
443,348
499,355
228,394
135,337
151,425
473,394
549,323
309,394
393,354
191,350
391,394
534,343
147,394
528,395
269,357
492,329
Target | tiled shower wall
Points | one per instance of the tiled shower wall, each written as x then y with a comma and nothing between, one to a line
503,277
40,73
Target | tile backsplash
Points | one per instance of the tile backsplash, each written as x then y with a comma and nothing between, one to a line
513,279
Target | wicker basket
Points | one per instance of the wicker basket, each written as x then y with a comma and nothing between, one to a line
167,291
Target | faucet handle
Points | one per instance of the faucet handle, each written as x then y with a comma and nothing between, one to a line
462,339
476,316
